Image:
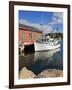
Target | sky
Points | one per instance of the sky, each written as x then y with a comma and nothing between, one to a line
46,21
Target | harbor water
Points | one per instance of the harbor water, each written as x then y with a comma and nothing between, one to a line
39,61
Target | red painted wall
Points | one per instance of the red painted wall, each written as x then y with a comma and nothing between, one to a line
27,38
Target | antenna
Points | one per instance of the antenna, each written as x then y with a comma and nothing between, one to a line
42,16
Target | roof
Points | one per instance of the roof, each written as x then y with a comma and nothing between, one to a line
30,28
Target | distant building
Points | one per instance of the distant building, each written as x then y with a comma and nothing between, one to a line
28,34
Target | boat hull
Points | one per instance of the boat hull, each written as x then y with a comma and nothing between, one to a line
44,47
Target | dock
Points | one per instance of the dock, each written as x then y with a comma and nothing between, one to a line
29,48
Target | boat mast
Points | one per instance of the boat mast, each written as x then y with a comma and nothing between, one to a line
42,22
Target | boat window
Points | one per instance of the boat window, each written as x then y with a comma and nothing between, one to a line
47,40
42,39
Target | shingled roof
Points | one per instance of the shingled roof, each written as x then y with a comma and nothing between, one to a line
30,28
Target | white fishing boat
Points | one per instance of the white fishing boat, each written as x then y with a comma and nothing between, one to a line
46,43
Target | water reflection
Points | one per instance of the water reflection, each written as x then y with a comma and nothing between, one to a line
47,60
39,61
45,54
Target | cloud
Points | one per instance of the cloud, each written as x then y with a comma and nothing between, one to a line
25,22
58,14
44,28
57,18
47,29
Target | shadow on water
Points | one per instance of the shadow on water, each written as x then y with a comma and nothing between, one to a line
39,61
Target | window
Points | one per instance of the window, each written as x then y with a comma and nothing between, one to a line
23,36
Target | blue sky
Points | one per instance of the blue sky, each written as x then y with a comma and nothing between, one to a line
50,20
